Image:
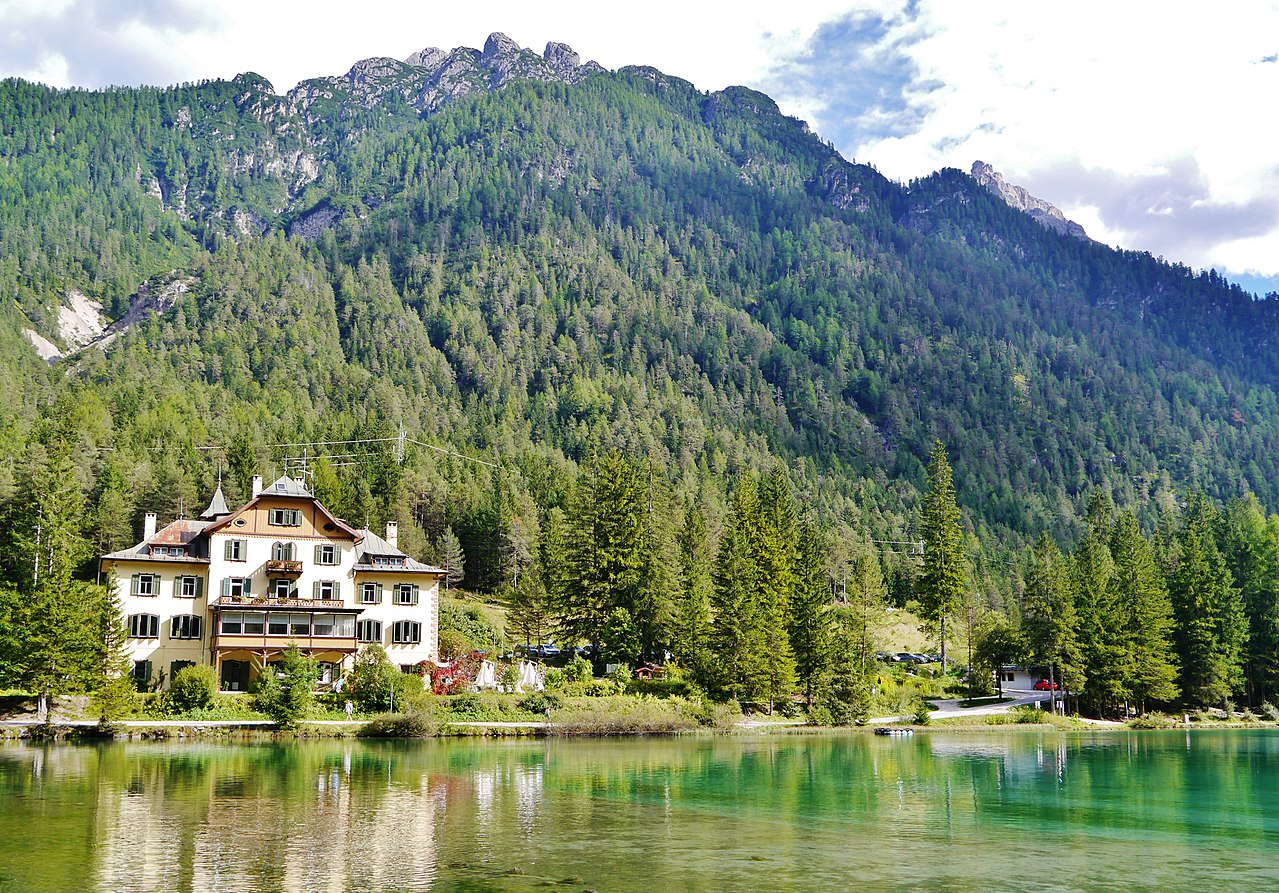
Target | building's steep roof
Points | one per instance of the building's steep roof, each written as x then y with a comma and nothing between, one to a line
371,544
181,532
287,486
217,506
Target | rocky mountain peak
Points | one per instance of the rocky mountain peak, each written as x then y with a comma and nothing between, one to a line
498,44
1015,196
561,56
427,58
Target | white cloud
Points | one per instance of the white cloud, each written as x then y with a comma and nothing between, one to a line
713,44
1123,96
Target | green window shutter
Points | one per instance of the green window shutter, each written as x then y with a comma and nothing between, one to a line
226,586
199,586
133,584
317,554
226,550
414,598
315,589
377,588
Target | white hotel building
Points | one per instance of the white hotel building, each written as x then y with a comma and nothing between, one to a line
236,588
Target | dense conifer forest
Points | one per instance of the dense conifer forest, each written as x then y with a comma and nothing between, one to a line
708,364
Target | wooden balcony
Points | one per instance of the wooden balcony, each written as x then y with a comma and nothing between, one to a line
279,568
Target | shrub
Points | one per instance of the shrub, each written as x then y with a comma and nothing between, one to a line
466,704
193,688
539,703
371,683
286,690
627,716
579,670
1269,711
1027,715
921,716
1152,721
454,644
819,715
554,679
601,688
398,725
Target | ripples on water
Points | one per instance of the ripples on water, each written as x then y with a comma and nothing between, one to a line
997,811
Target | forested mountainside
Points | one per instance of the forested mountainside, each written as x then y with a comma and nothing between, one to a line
533,261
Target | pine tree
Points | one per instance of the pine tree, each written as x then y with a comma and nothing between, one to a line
1151,672
1048,617
737,635
1101,616
777,578
693,611
1212,628
1250,544
810,620
54,620
941,584
452,557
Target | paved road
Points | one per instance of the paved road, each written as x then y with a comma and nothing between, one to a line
948,708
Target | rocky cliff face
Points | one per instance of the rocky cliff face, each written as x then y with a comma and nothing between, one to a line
1015,196
432,77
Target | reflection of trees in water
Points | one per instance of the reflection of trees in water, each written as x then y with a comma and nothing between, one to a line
372,815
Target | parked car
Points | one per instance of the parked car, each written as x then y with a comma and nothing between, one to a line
906,657
1046,685
587,652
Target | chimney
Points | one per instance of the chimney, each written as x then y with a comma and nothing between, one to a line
148,526
393,534
257,484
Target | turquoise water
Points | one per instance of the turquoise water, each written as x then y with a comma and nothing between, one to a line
937,812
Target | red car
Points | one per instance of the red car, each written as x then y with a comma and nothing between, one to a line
1045,685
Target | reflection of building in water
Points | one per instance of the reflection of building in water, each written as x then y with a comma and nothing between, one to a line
524,782
240,823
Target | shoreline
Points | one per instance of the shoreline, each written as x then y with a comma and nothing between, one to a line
258,731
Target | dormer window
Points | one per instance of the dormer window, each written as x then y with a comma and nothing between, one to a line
279,486
388,561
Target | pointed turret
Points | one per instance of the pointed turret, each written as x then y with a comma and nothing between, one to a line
217,506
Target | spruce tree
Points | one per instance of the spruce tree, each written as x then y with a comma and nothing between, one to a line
692,623
810,619
1212,628
452,557
1048,617
1101,616
1151,671
940,588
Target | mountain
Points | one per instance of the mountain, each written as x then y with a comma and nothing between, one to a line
526,259
1016,197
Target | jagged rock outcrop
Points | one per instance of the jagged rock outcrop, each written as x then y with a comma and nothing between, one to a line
1015,196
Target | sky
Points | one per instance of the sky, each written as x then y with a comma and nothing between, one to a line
1149,123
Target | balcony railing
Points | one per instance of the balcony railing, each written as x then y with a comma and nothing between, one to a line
270,601
280,568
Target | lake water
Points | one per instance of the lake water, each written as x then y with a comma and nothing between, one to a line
936,812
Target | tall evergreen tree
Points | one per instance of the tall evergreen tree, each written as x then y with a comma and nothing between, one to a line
943,578
810,618
1250,544
1048,617
1151,672
693,611
1101,616
1212,628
